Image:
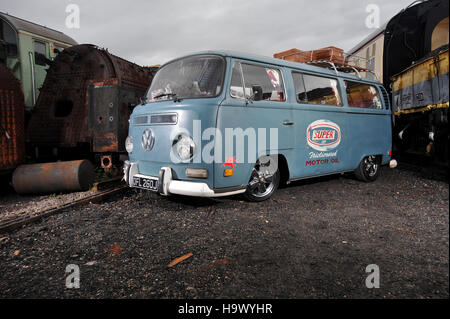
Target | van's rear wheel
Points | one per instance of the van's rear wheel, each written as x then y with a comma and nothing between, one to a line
368,170
262,183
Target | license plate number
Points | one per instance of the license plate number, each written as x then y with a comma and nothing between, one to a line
145,183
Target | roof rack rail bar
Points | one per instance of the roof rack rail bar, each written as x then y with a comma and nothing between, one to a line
327,62
356,71
374,74
336,69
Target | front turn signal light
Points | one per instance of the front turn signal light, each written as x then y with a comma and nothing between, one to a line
228,172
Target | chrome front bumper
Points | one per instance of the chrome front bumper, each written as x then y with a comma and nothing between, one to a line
168,186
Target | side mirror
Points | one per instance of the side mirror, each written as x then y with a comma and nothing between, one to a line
257,92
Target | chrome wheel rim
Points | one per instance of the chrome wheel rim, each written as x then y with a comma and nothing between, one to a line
261,182
370,166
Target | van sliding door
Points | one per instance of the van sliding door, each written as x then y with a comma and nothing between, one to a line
321,126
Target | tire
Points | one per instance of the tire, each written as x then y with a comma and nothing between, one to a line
368,169
261,185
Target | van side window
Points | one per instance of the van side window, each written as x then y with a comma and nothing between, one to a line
265,83
362,95
300,91
268,79
236,87
313,89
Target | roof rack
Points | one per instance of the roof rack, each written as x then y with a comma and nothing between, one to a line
346,68
323,64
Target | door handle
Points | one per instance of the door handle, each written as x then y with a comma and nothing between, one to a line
288,123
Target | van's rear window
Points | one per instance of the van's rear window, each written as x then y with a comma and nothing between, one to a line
362,95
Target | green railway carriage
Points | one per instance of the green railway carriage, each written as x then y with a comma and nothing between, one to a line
28,49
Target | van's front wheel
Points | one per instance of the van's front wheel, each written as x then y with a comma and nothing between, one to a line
369,169
262,183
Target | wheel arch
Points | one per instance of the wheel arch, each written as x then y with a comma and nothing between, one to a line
283,166
379,158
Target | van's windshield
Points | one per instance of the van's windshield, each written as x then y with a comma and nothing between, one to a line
188,78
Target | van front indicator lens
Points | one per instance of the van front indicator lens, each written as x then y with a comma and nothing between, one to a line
228,172
129,144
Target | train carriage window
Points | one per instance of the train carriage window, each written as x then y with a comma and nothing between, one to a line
9,38
57,49
268,79
40,56
372,58
368,58
362,95
318,90
439,37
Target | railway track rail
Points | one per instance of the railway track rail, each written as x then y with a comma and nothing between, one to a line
102,190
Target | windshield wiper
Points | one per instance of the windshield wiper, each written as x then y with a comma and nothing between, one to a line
175,98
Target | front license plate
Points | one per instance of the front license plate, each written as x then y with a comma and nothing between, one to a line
145,183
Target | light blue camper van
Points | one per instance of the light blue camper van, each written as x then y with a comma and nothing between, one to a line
220,123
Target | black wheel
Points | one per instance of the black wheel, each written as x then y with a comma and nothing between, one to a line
369,169
262,183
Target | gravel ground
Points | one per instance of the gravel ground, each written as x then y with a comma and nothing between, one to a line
313,239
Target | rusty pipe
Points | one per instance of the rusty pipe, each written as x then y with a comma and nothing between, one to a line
53,177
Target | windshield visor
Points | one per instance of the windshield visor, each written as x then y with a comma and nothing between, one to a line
188,78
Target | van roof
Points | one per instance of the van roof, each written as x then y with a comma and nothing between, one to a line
279,62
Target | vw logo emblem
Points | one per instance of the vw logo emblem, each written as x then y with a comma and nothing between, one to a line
148,140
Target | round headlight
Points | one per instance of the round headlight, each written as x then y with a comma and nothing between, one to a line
185,147
129,144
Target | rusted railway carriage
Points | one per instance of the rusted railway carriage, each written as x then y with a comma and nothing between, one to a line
84,105
12,131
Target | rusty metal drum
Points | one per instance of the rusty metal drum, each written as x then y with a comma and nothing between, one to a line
56,177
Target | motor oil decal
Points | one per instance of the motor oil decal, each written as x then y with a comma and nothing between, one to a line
322,161
323,135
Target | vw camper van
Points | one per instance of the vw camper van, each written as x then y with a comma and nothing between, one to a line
220,123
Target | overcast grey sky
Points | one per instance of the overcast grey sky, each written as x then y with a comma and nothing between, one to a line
151,32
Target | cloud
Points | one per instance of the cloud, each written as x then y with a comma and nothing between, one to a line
153,32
